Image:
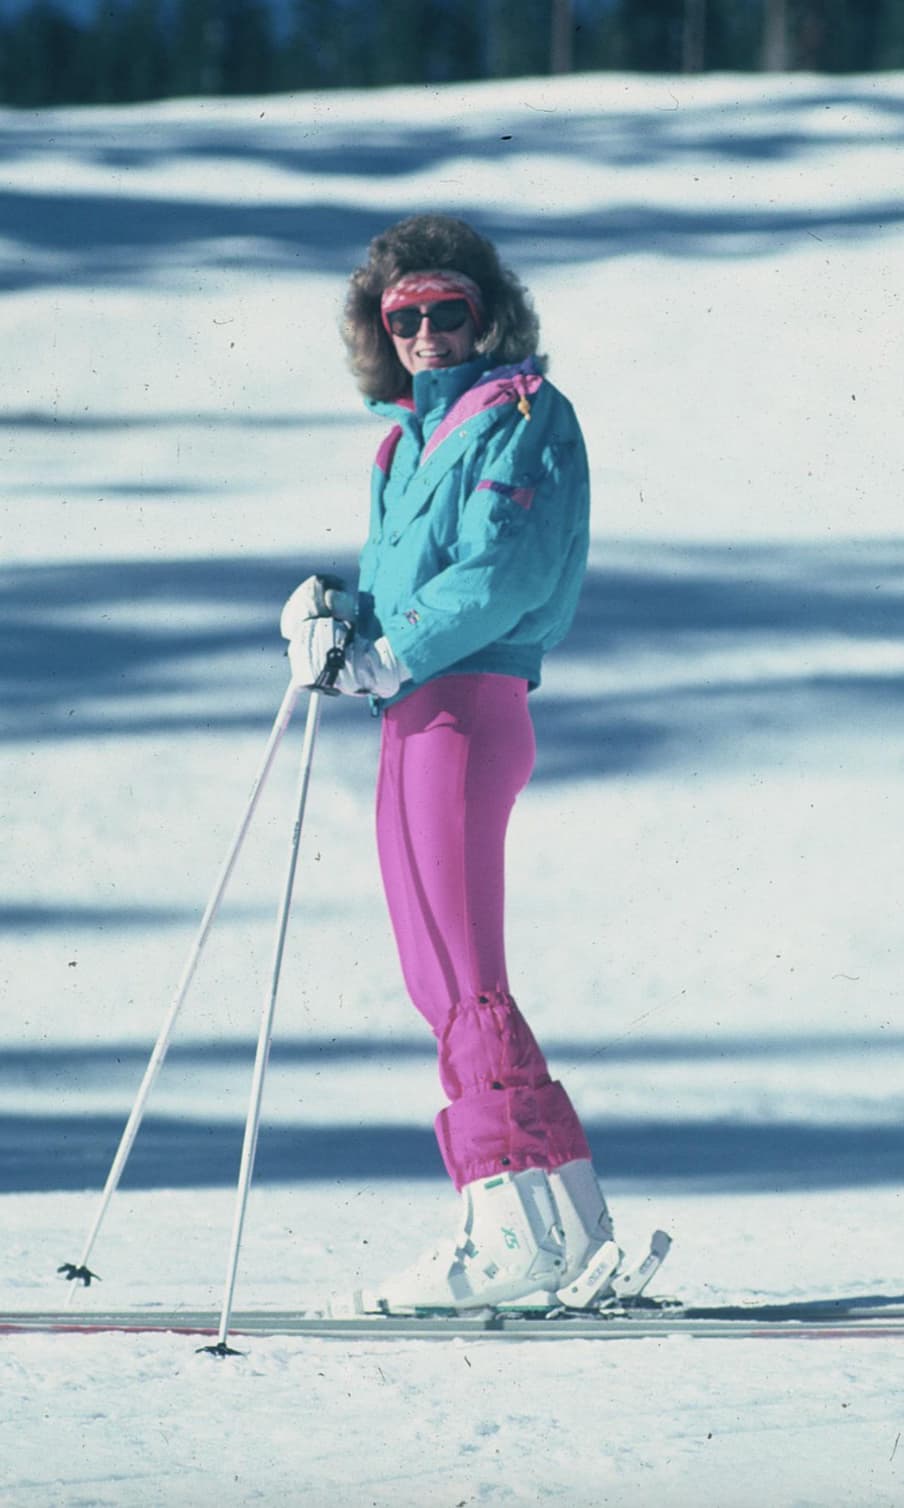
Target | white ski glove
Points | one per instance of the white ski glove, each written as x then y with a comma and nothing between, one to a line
317,597
369,670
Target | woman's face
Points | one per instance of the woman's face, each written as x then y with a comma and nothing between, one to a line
429,349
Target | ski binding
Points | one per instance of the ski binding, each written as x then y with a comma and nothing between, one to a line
604,1287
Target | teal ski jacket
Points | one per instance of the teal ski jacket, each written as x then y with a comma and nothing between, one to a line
479,523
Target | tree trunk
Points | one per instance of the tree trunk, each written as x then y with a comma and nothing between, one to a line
775,36
561,37
693,39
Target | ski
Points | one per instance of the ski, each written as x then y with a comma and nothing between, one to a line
643,1319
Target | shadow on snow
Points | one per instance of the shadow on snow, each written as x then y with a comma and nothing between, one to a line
82,239
680,658
87,1065
771,129
42,1152
114,241
45,1153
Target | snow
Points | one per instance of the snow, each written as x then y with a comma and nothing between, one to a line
713,957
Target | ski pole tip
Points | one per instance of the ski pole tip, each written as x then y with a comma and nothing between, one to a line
220,1350
78,1273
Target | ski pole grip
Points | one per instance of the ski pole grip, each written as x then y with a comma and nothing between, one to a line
335,660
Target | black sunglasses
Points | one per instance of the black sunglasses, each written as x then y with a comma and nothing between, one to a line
450,314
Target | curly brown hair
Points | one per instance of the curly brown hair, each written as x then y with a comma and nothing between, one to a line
418,244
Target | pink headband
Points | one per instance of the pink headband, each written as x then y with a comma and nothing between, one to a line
432,287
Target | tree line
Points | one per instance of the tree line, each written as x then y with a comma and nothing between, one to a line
131,50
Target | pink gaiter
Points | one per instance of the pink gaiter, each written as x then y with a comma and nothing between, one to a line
454,755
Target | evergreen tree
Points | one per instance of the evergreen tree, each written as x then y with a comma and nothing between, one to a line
248,49
330,45
453,48
197,48
734,30
401,39
516,37
149,49
45,57
889,35
653,31
129,52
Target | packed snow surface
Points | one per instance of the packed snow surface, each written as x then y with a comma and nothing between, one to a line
706,872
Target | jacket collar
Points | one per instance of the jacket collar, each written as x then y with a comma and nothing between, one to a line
435,392
464,390
432,395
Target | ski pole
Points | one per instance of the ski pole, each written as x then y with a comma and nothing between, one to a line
252,1123
78,1272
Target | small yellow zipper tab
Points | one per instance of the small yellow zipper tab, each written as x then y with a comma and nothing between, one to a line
524,406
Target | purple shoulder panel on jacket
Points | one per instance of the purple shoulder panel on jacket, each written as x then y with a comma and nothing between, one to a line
513,384
383,458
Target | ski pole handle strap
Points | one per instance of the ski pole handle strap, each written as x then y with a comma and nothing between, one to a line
335,662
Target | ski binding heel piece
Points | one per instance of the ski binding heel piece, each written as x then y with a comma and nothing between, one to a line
629,1282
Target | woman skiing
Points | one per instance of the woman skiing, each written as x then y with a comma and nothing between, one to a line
471,572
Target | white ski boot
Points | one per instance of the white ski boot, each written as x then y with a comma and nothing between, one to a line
510,1245
591,1251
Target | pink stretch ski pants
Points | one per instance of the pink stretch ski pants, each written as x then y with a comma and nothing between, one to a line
454,755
